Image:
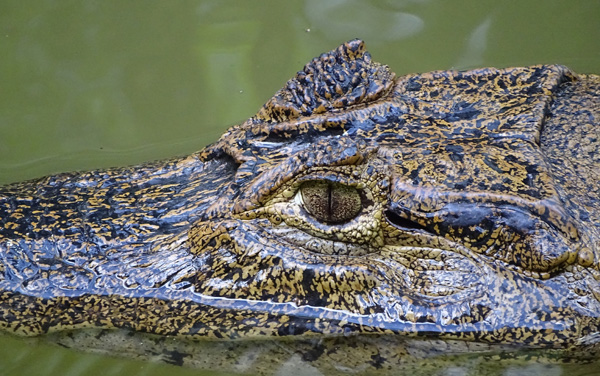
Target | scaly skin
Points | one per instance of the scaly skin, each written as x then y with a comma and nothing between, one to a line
452,205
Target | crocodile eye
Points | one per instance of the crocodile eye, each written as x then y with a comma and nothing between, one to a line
330,202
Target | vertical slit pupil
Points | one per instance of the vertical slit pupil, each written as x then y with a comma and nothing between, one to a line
331,202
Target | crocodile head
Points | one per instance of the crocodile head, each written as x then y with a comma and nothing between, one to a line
422,204
353,202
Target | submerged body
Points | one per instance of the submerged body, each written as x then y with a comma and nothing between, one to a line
448,207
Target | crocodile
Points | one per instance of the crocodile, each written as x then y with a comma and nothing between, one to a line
359,220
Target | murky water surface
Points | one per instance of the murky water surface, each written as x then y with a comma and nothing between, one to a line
89,84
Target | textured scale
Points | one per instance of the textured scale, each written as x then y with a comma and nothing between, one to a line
478,221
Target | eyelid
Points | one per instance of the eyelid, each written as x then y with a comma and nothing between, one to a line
338,154
334,177
345,175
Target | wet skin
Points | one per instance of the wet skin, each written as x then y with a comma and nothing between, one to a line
448,205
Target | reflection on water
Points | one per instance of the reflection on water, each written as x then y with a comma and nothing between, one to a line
476,45
94,84
300,358
27,356
378,22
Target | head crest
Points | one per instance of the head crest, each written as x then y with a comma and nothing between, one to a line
340,78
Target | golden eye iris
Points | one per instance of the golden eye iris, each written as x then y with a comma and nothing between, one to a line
330,202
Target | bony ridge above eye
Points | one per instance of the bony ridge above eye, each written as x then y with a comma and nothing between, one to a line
329,202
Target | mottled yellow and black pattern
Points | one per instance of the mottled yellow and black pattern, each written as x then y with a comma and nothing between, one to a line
454,205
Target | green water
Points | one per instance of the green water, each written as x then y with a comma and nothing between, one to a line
89,84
